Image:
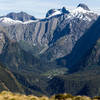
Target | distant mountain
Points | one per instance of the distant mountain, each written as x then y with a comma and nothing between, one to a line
21,16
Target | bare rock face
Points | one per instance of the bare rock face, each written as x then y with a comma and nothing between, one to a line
54,36
2,41
64,10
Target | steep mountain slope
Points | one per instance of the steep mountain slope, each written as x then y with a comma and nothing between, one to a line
81,83
15,82
16,58
87,41
31,72
56,31
2,41
68,32
84,64
8,81
91,55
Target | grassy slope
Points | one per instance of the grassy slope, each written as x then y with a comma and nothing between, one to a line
15,96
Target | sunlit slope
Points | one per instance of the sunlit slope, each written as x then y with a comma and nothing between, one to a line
15,96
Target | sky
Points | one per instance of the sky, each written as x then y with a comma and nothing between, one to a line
38,8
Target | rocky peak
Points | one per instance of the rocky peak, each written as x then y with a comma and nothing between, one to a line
53,12
84,6
64,10
21,16
50,12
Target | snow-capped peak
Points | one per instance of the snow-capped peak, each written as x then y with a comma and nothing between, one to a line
54,12
79,10
80,13
84,6
10,21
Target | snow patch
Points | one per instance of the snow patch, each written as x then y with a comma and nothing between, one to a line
57,12
30,21
10,21
79,13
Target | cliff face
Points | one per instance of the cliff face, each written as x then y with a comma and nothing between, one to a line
54,36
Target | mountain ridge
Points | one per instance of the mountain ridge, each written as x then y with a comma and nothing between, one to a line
37,51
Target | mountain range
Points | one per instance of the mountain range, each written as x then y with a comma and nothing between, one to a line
56,54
